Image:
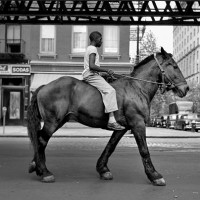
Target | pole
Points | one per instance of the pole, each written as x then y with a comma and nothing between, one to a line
137,51
4,109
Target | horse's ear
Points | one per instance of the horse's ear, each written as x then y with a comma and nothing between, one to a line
163,52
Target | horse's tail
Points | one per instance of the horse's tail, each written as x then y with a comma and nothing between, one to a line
33,120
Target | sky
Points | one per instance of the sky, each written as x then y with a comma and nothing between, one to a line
164,36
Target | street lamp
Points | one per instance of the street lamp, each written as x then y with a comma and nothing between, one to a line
136,35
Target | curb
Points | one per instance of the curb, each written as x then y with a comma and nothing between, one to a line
93,136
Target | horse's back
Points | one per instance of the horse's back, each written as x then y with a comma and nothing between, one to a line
68,94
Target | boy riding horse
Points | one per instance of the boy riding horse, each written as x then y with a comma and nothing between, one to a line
91,75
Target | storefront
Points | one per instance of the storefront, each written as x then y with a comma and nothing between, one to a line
14,91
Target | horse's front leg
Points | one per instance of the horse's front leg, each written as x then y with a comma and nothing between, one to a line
139,132
101,166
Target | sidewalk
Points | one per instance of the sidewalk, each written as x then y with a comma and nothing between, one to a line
79,130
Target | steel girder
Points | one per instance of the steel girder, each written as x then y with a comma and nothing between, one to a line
102,12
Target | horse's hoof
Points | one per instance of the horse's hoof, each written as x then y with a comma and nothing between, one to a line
106,176
32,167
159,182
48,179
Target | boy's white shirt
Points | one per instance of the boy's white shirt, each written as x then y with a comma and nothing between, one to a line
87,72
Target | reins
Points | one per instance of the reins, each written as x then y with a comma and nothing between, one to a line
138,79
154,82
163,86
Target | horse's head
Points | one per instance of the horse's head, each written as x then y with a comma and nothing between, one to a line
172,76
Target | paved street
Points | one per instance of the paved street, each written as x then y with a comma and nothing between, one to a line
73,160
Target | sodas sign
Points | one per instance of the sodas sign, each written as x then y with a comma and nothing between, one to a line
20,69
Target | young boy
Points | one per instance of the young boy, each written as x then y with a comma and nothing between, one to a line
92,76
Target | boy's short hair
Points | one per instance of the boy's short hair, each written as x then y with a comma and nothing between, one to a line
94,35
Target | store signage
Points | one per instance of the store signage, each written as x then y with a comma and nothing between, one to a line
15,69
4,69
21,69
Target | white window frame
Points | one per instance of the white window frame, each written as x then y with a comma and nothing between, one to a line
13,33
54,42
107,50
80,50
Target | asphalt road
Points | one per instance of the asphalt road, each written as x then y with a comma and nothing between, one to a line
73,160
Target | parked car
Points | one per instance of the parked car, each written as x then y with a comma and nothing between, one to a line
190,121
164,121
171,119
156,122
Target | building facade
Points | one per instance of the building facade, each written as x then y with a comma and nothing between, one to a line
15,74
52,51
186,50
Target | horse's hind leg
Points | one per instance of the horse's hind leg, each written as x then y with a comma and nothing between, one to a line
39,160
101,166
139,132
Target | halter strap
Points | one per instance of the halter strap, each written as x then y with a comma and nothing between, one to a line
161,68
170,85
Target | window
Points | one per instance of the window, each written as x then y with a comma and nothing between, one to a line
79,39
47,39
13,39
111,40
14,108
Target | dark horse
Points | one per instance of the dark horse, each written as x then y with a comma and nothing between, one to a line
68,98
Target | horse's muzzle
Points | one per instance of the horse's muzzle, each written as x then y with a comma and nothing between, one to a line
182,90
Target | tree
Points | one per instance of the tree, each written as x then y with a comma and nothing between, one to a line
148,45
194,96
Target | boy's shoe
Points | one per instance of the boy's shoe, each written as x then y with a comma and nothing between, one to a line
115,126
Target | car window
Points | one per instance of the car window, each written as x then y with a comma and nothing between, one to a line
192,117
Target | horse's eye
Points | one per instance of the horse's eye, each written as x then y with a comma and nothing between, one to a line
175,66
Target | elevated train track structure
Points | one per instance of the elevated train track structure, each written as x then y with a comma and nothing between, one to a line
102,12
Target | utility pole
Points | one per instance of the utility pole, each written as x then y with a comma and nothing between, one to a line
138,48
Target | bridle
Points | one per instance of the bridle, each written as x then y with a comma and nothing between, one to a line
162,85
170,84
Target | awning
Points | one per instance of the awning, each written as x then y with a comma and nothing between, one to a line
43,79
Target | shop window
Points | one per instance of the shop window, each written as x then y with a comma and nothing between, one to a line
111,42
47,41
13,39
14,110
12,81
79,39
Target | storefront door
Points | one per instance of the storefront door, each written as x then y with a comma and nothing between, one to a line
13,101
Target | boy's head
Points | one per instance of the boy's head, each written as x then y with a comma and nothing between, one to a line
96,37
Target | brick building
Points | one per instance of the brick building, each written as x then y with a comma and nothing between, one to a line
33,55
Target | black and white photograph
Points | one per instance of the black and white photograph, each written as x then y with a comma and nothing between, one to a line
99,100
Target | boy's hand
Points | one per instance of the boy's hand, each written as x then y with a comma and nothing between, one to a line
110,72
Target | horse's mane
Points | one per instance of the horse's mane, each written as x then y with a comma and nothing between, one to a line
118,76
143,62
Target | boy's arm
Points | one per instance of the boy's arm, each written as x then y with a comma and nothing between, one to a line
94,67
